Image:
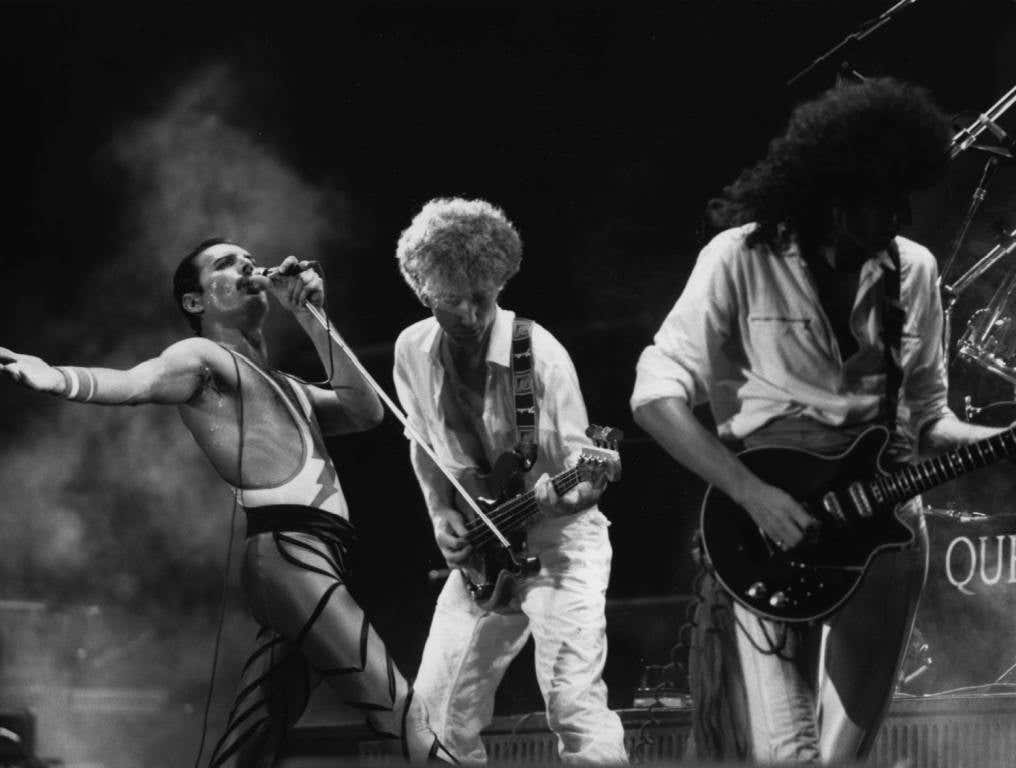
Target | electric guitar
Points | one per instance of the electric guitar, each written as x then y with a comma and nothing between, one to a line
494,570
855,501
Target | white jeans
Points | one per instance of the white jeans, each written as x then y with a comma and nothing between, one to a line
468,650
826,703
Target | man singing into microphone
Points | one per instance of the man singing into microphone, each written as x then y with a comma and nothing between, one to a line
264,433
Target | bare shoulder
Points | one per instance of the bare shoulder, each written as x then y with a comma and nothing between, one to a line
202,361
196,352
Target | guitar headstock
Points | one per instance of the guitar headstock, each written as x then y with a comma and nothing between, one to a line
604,437
602,461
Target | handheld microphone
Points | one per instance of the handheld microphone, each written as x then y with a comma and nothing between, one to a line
293,269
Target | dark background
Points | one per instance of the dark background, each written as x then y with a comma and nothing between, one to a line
129,135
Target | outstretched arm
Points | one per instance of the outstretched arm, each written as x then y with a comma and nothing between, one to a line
171,378
352,406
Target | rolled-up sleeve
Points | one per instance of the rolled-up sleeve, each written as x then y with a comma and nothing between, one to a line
925,383
680,361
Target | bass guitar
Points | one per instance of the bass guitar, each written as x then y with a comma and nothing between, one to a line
494,570
856,501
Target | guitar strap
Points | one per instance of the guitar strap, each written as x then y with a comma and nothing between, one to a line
526,416
893,316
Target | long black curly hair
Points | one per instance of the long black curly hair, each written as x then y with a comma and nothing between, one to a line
878,137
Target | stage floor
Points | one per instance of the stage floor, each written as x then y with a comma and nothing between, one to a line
956,731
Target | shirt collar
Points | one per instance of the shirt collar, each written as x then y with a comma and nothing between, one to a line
499,347
872,268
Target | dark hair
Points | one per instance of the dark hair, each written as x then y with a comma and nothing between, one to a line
878,137
186,279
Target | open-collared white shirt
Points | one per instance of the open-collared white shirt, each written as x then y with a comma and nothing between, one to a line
420,379
748,334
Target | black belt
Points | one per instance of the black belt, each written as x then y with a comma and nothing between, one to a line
330,528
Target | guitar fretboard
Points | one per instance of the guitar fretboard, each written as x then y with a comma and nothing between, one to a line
915,478
514,513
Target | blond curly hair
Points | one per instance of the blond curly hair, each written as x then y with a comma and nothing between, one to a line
454,246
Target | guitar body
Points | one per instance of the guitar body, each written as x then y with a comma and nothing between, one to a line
816,577
493,572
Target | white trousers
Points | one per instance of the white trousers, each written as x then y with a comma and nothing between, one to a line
823,697
468,650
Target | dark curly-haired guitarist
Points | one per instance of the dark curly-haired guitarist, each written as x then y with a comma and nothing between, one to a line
779,328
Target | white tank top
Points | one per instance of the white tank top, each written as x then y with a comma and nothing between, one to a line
315,482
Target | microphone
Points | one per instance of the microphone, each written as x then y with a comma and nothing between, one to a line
293,269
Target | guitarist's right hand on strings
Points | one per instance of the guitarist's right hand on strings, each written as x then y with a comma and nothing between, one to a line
778,514
449,533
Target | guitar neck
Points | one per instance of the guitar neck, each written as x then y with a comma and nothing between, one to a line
913,479
516,512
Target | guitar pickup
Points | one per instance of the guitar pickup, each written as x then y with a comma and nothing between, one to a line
831,504
861,502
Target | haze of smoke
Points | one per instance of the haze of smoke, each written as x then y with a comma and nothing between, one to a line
118,506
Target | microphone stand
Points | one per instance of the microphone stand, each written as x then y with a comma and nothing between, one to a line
862,32
949,295
413,435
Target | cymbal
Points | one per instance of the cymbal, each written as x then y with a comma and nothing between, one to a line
1000,152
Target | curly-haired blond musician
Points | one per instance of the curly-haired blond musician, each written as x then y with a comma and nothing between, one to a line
454,377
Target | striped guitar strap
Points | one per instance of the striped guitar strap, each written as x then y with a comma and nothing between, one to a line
526,415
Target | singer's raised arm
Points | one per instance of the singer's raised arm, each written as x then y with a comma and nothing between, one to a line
351,405
174,377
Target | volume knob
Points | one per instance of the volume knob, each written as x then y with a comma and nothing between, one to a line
757,590
779,599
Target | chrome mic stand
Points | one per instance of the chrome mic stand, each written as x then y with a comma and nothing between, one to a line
865,29
961,141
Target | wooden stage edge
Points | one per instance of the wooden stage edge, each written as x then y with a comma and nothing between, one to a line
954,731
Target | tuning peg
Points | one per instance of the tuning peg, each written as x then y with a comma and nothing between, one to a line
605,437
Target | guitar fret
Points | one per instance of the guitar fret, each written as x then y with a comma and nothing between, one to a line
894,486
964,458
943,473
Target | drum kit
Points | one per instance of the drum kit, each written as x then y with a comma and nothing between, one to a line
988,343
989,339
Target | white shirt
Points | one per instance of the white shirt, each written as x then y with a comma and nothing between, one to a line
420,379
749,335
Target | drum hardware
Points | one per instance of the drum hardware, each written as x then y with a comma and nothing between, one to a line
989,340
918,659
961,141
950,293
965,138
953,514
